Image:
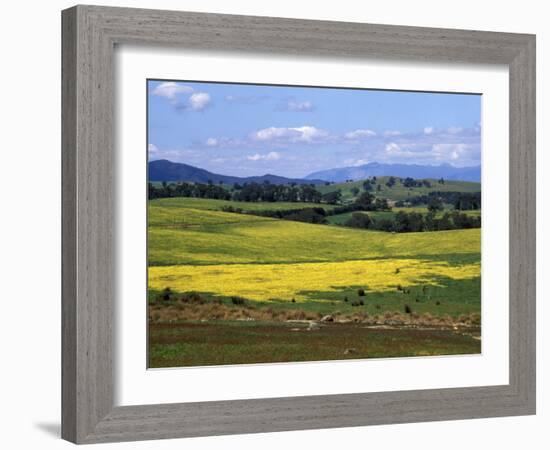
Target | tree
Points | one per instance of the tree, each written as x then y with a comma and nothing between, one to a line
445,222
430,221
390,182
381,204
358,220
435,204
309,215
332,197
354,190
364,201
367,186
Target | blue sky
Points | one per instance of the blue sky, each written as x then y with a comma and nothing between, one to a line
244,130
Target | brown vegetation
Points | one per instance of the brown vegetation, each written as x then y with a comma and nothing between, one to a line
193,308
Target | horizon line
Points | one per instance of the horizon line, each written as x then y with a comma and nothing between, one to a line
321,170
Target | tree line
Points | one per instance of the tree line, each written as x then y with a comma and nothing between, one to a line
196,190
249,192
403,222
462,201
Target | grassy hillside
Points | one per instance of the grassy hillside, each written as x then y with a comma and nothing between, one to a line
280,270
398,191
263,259
193,236
217,205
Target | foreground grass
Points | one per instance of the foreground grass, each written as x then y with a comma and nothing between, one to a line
201,344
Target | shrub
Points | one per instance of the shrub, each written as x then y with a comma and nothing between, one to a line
438,303
397,270
293,300
408,309
399,287
377,306
361,292
357,303
238,300
346,299
166,294
192,297
358,220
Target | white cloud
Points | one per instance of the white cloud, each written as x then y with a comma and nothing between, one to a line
212,142
394,150
392,147
245,99
454,130
198,101
428,130
450,151
271,156
356,162
152,149
356,134
182,96
296,134
170,90
392,133
303,106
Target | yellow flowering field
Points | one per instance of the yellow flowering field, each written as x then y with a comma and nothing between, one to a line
262,282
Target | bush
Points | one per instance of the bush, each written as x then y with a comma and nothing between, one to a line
361,292
238,300
192,297
166,294
357,303
358,220
408,309
345,299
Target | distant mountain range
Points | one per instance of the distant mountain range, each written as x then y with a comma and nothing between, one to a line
164,170
445,171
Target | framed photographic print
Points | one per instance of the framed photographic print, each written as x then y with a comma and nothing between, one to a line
335,219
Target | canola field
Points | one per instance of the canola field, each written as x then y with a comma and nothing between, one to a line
268,282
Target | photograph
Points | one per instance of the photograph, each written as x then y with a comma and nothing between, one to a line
296,223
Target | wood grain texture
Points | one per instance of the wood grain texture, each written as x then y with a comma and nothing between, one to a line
89,36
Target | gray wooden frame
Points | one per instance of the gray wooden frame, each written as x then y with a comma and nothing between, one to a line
89,36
